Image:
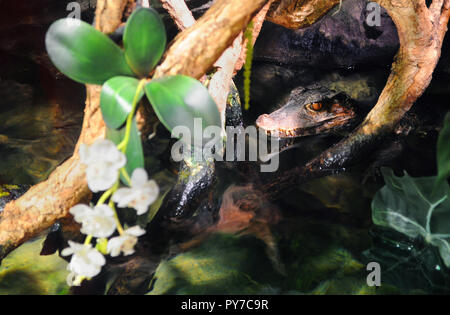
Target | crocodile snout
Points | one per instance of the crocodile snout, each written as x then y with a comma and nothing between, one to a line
265,121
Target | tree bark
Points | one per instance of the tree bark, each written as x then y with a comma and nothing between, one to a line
179,12
200,46
295,14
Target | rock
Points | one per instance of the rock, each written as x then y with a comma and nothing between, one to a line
223,264
342,40
39,131
320,258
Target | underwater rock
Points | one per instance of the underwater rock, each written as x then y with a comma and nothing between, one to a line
25,272
40,123
320,258
39,131
223,264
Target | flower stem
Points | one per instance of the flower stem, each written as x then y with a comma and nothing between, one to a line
88,239
124,144
125,175
116,217
108,193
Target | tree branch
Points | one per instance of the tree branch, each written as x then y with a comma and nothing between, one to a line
179,12
295,14
201,45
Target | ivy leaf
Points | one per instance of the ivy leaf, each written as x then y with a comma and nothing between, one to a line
443,150
144,40
83,53
116,100
415,206
178,100
134,152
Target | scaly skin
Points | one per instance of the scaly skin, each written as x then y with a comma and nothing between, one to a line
309,112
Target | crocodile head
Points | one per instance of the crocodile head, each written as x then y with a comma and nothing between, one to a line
309,112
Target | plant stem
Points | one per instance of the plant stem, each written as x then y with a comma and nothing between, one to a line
116,217
124,144
88,239
248,65
126,176
108,193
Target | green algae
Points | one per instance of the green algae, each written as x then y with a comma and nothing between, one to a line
24,271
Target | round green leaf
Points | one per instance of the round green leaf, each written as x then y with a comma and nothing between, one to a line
84,54
144,40
134,152
116,100
178,100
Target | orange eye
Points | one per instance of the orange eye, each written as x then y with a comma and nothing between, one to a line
316,106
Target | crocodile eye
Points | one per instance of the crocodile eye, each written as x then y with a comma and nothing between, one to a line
316,106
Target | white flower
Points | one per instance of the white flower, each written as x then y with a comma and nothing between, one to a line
103,161
141,194
125,242
85,262
98,221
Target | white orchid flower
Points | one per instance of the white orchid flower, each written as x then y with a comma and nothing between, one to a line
103,161
141,195
125,243
98,221
85,262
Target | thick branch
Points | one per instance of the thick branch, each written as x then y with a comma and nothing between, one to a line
179,12
296,14
202,44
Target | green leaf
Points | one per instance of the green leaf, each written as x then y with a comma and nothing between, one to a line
134,152
144,40
178,100
443,150
84,54
116,100
415,206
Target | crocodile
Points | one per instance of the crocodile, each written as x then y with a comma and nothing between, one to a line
309,112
